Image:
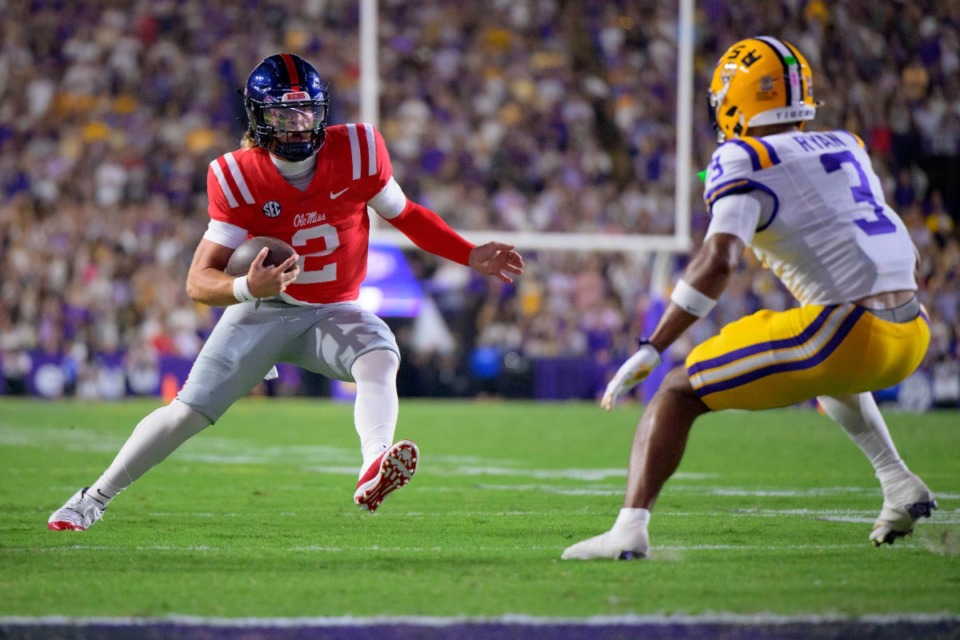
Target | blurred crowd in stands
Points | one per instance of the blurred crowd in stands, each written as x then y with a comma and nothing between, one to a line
514,115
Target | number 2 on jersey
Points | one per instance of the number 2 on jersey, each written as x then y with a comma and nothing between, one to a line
329,271
861,193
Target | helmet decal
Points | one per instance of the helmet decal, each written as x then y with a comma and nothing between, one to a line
789,64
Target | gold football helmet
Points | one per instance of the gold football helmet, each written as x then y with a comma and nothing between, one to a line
760,81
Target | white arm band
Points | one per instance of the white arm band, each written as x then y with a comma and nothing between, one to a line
390,202
690,300
224,233
241,289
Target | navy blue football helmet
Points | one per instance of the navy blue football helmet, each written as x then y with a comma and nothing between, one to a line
286,104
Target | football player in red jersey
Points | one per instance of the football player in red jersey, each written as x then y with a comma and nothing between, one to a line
298,180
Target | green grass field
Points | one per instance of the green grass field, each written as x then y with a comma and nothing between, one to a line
769,512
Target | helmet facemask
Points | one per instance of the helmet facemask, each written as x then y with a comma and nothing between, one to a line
293,130
714,100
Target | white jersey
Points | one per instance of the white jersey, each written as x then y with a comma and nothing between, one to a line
825,229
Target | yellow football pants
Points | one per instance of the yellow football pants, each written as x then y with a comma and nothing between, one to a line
775,359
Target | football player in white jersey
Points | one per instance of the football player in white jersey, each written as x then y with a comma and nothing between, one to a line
812,209
309,185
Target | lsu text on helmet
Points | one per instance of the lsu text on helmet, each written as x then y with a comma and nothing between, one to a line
286,103
760,81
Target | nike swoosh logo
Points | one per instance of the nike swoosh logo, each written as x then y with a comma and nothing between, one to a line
334,196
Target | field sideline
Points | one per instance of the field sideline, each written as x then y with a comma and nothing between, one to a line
769,515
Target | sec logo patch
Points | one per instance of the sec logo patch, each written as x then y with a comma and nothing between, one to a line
271,209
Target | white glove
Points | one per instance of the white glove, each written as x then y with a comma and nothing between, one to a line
631,373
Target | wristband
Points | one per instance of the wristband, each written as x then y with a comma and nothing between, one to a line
241,290
642,341
694,302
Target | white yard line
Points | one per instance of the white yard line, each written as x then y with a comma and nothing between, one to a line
437,549
509,619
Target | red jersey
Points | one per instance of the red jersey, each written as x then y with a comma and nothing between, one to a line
327,223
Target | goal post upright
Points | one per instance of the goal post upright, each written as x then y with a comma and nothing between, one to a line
684,153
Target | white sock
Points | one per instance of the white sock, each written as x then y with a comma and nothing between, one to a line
377,406
632,519
155,438
371,452
860,418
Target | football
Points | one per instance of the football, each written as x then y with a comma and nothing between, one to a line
243,256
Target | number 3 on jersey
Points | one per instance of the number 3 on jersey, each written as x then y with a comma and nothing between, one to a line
861,193
328,273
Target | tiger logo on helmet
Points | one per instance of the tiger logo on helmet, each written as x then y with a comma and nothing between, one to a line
760,81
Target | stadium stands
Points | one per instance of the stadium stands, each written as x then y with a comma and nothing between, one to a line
521,115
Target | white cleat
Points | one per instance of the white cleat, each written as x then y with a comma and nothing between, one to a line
612,545
905,502
78,514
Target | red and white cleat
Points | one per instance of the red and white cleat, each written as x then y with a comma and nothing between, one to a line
78,514
386,474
